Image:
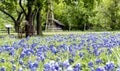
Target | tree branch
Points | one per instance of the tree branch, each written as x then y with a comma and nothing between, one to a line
19,16
22,7
8,14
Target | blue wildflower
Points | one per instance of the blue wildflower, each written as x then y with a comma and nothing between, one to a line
31,65
109,66
81,55
21,42
70,48
56,67
77,67
12,61
2,60
3,69
27,38
35,64
98,61
65,64
13,67
90,64
12,53
47,67
71,60
21,62
27,52
100,69
33,45
22,55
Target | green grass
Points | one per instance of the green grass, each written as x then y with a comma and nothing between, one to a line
60,32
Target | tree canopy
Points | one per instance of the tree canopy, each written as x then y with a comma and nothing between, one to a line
74,14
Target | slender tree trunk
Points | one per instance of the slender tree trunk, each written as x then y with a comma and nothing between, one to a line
16,26
84,26
39,27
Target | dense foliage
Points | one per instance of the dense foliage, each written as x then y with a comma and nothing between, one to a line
74,14
80,52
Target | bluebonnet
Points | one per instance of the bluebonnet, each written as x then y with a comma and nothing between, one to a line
98,53
15,45
90,64
31,65
65,64
21,62
47,67
13,67
56,67
21,42
45,54
3,69
28,52
22,55
51,66
109,66
109,51
98,61
81,54
70,48
33,45
24,66
27,38
35,64
53,50
88,49
12,53
77,67
73,53
100,69
7,48
71,60
2,60
12,61
40,58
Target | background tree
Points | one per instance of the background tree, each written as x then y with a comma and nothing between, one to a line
74,14
11,9
39,5
32,8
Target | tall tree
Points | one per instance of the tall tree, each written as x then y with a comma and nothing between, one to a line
9,8
29,12
39,5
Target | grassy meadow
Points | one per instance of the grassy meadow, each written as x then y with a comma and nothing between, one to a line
61,51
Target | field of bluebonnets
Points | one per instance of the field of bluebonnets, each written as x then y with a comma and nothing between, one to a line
74,52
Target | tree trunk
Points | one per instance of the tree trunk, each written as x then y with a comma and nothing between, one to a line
50,16
84,26
39,27
16,26
28,29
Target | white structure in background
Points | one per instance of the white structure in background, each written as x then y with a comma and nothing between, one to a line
8,26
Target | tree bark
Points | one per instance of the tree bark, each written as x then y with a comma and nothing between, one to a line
29,27
39,27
